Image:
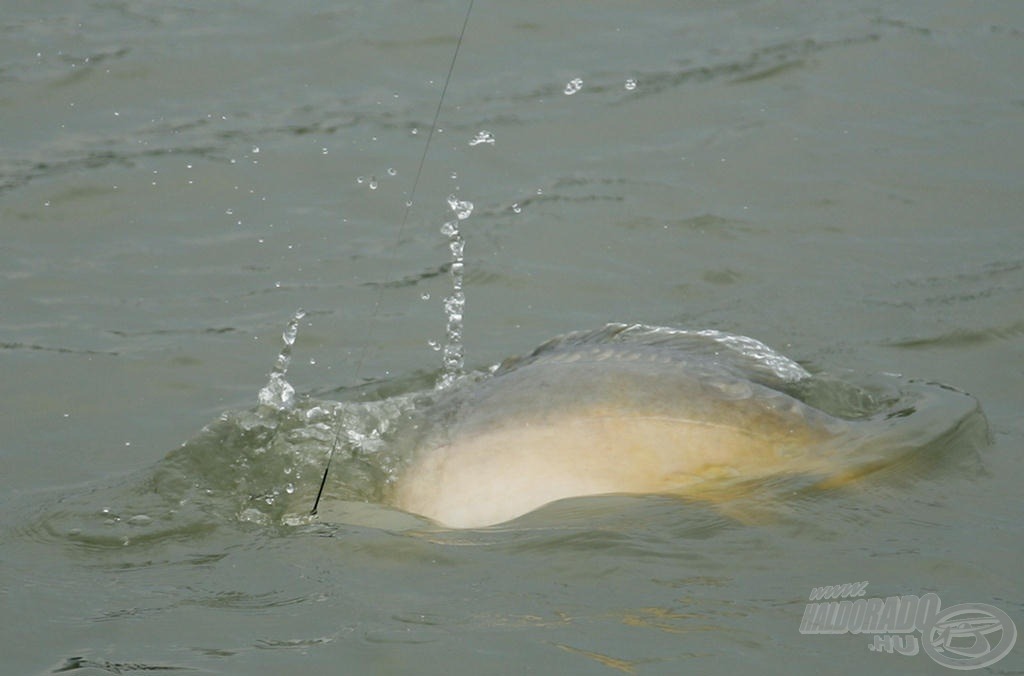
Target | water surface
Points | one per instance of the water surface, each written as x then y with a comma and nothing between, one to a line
838,180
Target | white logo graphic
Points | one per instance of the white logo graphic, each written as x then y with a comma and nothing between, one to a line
965,636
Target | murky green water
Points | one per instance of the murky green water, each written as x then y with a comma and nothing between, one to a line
839,180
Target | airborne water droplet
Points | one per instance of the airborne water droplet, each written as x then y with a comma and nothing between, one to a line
631,84
462,208
481,137
573,86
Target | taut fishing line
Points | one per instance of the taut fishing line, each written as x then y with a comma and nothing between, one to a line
398,238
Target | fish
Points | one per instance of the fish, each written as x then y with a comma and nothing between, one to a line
626,409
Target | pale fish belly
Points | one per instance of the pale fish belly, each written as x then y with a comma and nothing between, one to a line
492,477
612,419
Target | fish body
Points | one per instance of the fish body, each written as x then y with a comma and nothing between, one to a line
630,410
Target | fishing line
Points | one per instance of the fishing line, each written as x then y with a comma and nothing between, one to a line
394,247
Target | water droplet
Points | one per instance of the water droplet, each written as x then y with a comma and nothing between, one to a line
425,296
454,176
483,136
323,151
630,84
255,150
360,180
462,208
289,488
415,131
573,86
373,183
434,345
516,208
392,171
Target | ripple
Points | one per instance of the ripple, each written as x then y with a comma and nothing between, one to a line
963,338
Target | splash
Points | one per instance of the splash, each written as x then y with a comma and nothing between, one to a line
260,466
454,305
278,393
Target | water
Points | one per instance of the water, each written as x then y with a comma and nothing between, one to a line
455,303
176,181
